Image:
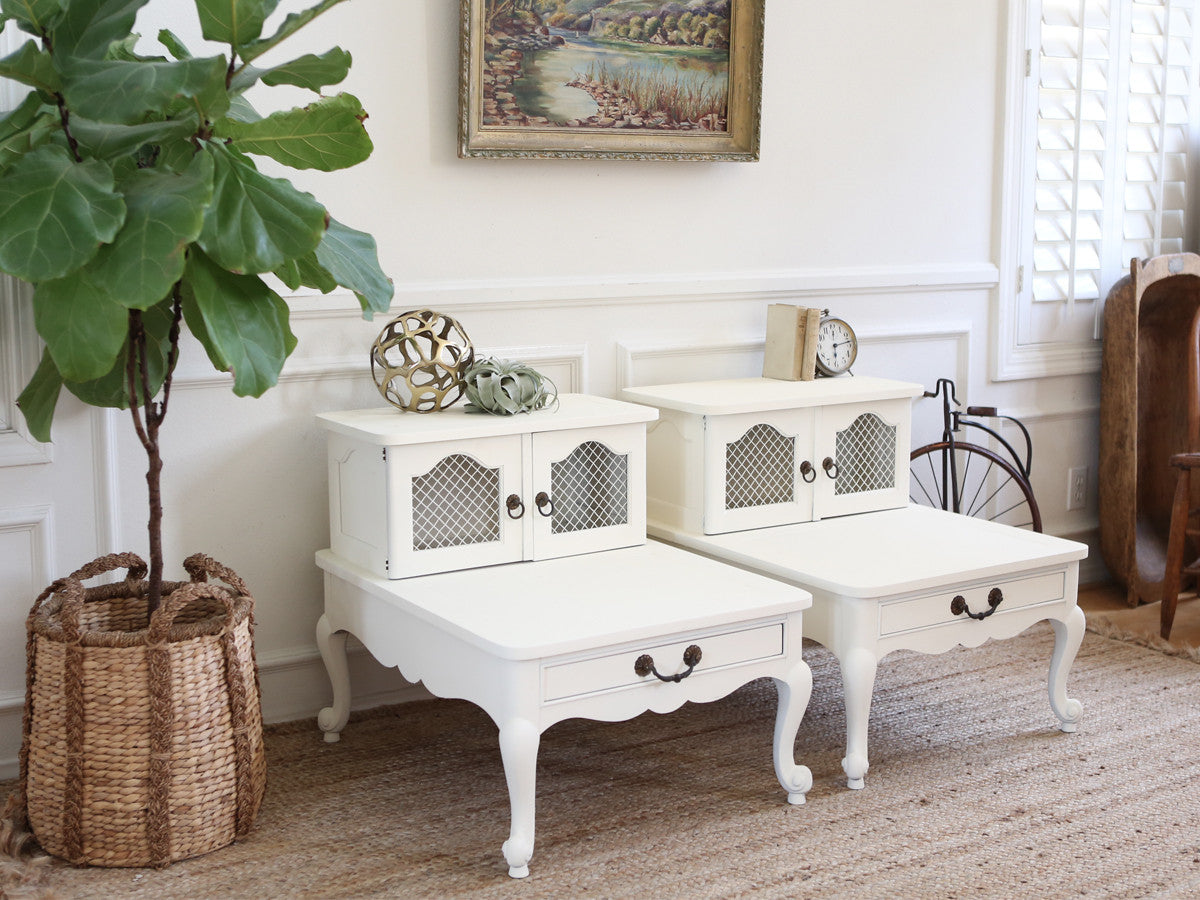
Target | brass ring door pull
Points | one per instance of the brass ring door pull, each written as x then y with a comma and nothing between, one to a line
514,504
644,665
544,504
958,605
830,467
807,472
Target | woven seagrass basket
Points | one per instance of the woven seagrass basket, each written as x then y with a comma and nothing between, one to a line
142,742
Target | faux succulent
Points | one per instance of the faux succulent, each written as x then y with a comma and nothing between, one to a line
131,201
503,387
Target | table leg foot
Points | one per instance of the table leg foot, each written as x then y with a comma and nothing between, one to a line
1068,635
332,644
794,692
519,739
859,666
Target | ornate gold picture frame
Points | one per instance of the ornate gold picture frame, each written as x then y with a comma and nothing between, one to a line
619,79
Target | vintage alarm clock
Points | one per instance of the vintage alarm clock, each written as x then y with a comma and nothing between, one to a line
837,345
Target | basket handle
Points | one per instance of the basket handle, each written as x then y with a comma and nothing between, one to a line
135,564
70,589
164,617
200,567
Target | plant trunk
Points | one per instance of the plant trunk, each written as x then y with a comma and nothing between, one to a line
148,416
154,490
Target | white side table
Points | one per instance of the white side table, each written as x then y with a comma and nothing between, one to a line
538,642
914,578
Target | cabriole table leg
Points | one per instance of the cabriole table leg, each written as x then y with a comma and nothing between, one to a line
794,692
859,666
519,739
1068,634
332,644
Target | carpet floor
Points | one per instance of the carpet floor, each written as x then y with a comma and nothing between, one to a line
972,792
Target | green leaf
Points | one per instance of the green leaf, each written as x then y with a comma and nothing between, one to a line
290,26
33,16
39,398
124,92
174,45
256,223
23,129
351,258
308,71
325,135
106,140
311,71
16,148
240,110
165,215
242,323
235,22
18,120
56,214
111,390
89,26
82,325
32,66
308,272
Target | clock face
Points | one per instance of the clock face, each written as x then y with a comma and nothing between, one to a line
837,347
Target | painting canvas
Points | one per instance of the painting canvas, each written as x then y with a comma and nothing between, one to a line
642,79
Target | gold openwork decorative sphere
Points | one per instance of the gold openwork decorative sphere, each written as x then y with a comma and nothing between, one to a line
418,360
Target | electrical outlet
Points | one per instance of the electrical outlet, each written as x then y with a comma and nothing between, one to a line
1077,479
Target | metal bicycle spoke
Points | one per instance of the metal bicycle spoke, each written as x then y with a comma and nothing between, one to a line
974,481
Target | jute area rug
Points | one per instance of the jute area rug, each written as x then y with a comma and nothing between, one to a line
972,792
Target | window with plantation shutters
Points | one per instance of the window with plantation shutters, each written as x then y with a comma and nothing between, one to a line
1102,113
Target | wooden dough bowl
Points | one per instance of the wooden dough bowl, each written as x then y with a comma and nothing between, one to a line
1148,411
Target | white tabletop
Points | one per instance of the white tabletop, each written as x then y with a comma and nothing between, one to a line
388,426
531,610
879,554
743,395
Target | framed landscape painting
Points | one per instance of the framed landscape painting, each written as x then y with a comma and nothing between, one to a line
625,79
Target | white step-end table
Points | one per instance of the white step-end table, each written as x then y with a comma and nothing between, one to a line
602,636
914,578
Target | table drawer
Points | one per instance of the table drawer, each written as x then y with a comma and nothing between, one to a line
935,609
613,671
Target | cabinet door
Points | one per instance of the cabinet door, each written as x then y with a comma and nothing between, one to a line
588,490
861,457
447,505
754,470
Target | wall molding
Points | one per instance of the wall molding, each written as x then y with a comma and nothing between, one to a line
39,522
793,285
572,356
631,353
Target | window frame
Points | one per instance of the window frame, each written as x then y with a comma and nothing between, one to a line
1011,359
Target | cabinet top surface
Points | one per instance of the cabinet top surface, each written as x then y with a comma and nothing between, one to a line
388,426
532,610
881,554
739,395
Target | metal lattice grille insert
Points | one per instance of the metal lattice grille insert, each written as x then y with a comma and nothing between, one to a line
759,469
590,489
457,502
866,456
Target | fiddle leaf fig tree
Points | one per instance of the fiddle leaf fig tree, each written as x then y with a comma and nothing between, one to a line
130,198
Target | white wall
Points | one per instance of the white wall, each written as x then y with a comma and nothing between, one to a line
876,196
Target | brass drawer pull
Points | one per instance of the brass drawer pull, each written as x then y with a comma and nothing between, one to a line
808,472
644,665
514,504
830,467
543,501
958,605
